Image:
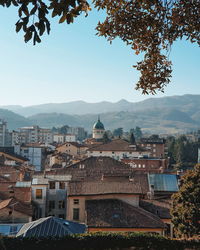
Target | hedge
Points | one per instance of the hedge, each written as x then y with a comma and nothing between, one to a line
106,241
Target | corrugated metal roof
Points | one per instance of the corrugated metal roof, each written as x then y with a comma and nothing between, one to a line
10,229
163,182
51,226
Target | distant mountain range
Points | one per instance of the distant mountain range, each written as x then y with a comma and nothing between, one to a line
157,115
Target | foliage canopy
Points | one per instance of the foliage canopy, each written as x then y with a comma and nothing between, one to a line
186,205
148,26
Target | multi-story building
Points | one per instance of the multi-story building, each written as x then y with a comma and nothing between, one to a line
35,153
106,195
5,136
35,134
118,149
148,164
72,148
49,193
15,137
155,146
61,138
3,127
78,131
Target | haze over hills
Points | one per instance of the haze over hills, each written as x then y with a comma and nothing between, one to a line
185,103
156,115
13,120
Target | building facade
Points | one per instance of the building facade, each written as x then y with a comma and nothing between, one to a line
118,149
98,130
35,134
36,155
49,193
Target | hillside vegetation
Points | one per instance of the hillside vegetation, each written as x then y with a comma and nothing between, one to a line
177,114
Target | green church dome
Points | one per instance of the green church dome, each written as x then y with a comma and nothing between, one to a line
98,125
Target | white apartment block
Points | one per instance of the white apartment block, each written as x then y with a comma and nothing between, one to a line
35,134
60,138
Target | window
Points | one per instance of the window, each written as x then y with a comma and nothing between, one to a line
76,201
38,193
139,165
75,213
51,205
52,185
61,185
25,151
143,165
61,204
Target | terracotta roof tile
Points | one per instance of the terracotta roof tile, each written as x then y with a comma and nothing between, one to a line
5,203
138,185
112,213
159,208
19,206
116,145
93,168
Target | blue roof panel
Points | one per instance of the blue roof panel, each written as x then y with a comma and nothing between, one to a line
164,182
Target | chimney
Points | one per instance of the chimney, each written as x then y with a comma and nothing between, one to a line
150,194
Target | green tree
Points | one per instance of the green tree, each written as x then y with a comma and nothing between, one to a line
171,149
180,152
138,133
185,209
132,139
118,132
105,138
154,137
64,129
147,26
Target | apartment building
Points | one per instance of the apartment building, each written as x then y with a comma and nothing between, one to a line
5,136
34,134
49,192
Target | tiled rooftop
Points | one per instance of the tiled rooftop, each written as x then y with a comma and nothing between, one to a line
113,213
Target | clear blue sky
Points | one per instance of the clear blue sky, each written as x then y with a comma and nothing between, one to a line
74,64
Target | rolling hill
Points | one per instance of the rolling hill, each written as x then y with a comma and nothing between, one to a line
156,115
185,103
